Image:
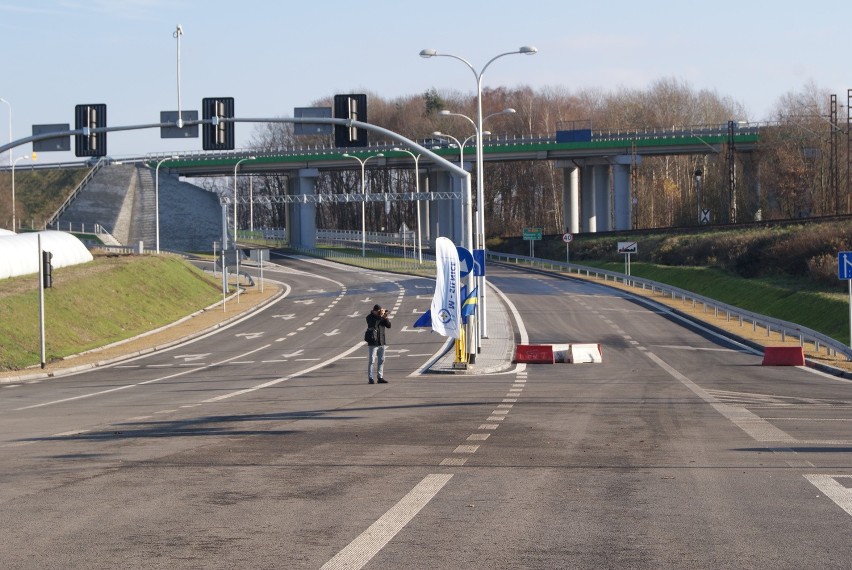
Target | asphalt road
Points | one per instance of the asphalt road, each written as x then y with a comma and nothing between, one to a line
263,446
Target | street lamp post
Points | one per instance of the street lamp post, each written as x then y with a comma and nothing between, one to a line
157,198
10,127
363,163
526,50
236,167
698,175
14,162
416,158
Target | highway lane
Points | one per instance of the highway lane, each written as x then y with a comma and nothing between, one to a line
679,450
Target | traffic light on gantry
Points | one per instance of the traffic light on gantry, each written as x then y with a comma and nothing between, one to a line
352,107
47,269
89,117
218,135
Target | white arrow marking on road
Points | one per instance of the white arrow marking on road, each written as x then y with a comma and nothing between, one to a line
250,336
355,314
332,333
396,350
367,300
316,290
421,297
191,357
423,286
285,317
417,330
292,354
305,301
834,489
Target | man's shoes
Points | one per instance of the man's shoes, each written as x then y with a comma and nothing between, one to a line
382,380
370,381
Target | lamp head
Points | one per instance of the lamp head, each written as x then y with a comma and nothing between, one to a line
429,52
528,50
444,112
509,111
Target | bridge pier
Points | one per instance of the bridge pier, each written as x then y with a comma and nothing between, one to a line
302,217
597,194
444,217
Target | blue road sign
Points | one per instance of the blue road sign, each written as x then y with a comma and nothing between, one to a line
479,263
844,265
465,261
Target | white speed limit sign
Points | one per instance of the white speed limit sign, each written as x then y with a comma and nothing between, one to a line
567,237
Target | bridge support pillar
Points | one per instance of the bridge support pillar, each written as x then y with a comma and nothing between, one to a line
588,197
603,198
597,195
622,206
302,218
444,216
570,196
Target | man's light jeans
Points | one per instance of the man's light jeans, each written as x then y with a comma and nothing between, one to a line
375,351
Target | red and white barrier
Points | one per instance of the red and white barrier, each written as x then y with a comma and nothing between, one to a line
783,356
551,353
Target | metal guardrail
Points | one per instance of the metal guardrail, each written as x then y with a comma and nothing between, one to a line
393,264
770,324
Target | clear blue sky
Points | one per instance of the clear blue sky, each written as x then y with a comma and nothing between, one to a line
275,56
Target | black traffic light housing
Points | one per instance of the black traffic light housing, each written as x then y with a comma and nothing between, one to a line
47,269
90,117
219,136
353,107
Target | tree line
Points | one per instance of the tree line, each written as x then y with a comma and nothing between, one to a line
801,166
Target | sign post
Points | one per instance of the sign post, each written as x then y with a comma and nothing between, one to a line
627,248
844,271
567,238
531,235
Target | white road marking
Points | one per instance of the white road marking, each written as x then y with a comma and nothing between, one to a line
500,412
833,489
496,418
755,426
488,426
70,433
478,436
456,461
284,378
152,381
361,550
466,449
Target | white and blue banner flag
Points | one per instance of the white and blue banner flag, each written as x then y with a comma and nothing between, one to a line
446,308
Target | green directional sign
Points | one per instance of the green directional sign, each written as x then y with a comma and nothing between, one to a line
532,234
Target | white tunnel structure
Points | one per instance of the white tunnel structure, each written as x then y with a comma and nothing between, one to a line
19,252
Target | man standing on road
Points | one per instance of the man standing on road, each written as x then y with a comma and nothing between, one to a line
377,322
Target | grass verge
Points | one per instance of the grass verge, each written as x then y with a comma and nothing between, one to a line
109,299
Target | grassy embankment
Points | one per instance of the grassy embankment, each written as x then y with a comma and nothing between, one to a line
787,272
90,305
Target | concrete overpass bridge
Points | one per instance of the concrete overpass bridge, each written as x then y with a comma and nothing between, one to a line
597,194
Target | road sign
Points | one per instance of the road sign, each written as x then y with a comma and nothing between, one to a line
532,234
844,265
567,238
704,217
465,261
479,263
628,247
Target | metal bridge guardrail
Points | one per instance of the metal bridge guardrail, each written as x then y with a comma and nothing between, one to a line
770,324
394,264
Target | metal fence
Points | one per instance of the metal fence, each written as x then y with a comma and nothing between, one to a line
770,325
